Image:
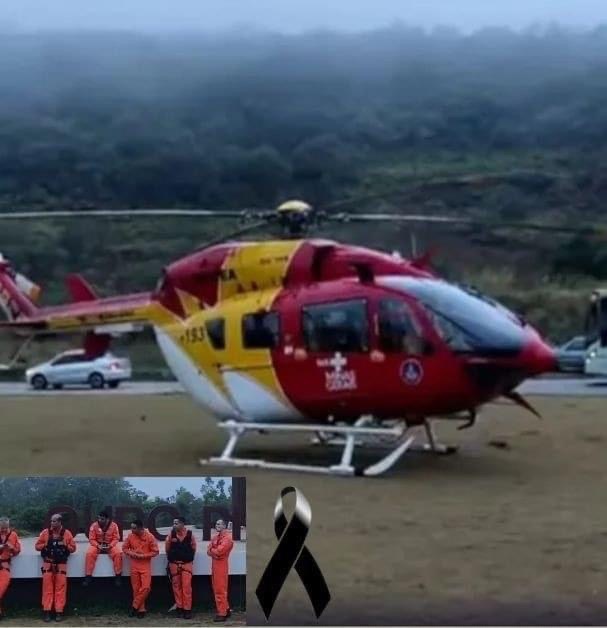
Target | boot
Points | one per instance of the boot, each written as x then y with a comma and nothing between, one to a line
187,614
87,580
118,581
58,616
132,612
46,616
140,614
219,618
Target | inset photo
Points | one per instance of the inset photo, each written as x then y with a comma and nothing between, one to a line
101,551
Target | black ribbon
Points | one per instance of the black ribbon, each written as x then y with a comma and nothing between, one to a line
291,552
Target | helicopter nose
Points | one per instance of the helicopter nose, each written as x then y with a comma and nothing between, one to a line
538,357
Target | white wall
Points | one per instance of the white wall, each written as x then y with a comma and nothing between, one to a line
29,563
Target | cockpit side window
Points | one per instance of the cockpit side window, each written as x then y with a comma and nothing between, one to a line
216,330
398,331
339,326
260,330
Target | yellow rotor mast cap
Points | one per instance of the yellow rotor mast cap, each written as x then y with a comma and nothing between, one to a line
294,207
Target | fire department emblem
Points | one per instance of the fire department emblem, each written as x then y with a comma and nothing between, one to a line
411,372
338,378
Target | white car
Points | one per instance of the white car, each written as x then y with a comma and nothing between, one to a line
571,355
74,368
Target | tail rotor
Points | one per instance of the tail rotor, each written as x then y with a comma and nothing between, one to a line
18,294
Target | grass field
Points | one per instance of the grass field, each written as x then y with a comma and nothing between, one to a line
509,534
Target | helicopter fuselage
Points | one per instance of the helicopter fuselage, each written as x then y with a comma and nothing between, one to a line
307,330
294,331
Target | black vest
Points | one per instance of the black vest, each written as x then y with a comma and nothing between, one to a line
53,552
181,551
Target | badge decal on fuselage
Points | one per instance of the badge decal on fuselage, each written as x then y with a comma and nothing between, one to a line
338,379
411,372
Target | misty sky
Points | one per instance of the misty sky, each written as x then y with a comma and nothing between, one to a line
293,15
165,487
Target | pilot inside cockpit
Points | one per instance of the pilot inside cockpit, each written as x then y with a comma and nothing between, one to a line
397,332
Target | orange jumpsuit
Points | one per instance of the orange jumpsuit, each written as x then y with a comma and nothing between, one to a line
5,561
219,549
111,536
141,568
54,575
181,573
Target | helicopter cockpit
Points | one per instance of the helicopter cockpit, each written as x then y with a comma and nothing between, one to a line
465,319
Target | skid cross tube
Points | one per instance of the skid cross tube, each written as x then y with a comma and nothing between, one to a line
346,436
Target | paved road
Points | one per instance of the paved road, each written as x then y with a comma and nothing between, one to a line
565,387
132,388
552,386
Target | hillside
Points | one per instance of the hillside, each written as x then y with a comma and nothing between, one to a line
118,120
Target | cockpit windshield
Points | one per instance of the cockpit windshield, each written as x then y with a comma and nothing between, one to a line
468,321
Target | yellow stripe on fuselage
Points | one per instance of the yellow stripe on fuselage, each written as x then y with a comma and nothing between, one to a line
255,266
192,336
189,303
250,279
255,363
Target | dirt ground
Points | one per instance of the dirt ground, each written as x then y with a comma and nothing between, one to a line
151,619
503,533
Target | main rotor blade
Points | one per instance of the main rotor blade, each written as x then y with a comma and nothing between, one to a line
431,181
233,234
133,213
484,225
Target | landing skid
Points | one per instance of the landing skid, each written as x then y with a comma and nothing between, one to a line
398,438
376,441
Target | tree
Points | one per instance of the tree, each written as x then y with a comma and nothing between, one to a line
213,493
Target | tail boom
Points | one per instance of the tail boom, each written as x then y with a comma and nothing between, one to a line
88,315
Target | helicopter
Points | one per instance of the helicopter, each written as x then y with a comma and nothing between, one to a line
357,347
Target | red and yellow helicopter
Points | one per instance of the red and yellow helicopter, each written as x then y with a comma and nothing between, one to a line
353,345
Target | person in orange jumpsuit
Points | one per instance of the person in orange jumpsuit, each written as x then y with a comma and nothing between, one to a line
219,549
140,546
55,544
103,539
180,547
9,547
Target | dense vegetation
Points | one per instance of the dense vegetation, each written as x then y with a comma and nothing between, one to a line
27,500
241,120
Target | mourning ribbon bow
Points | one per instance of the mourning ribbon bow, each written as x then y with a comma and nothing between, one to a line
291,552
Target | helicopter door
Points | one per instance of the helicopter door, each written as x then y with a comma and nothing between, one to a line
406,358
335,338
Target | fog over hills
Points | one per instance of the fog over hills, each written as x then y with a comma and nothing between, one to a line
294,15
138,113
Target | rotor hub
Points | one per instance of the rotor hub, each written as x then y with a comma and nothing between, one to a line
295,216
